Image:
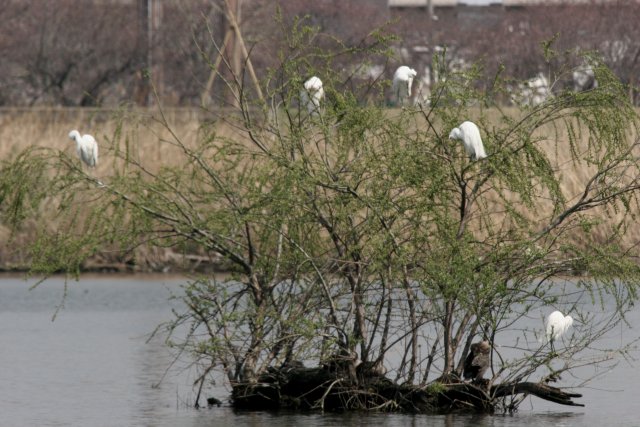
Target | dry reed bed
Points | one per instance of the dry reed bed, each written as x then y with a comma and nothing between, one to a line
149,142
141,133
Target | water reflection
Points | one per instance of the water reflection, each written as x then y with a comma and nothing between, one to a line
93,366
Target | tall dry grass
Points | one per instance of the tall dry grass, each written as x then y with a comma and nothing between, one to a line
142,132
49,127
20,128
573,177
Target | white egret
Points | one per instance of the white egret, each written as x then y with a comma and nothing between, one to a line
87,148
312,95
402,81
477,361
535,90
584,78
469,134
556,325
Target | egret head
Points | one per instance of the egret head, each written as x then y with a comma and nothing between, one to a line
74,134
568,321
412,73
455,134
314,84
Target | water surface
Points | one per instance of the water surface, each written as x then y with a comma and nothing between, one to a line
94,366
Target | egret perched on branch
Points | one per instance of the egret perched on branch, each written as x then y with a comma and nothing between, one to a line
402,81
477,361
312,94
536,90
584,78
87,148
469,134
556,325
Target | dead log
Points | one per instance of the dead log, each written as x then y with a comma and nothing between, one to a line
541,390
300,388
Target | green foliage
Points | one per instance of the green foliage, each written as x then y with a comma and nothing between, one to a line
23,185
364,229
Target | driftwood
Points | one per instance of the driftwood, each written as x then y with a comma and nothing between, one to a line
301,388
543,391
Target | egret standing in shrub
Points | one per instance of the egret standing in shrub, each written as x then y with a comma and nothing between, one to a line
402,81
556,325
87,148
312,95
469,134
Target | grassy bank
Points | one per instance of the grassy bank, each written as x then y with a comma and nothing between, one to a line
141,136
137,135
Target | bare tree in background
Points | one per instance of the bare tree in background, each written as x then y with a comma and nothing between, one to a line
109,52
508,38
67,55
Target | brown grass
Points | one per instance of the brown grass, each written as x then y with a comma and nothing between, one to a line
20,128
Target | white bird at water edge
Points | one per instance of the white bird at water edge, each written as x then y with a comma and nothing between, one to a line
556,325
469,134
86,147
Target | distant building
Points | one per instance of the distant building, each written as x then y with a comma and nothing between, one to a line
421,3
468,13
433,4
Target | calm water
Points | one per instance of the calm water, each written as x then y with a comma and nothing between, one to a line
93,366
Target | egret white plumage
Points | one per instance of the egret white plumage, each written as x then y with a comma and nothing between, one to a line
584,78
556,325
535,90
402,81
86,147
469,134
312,94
